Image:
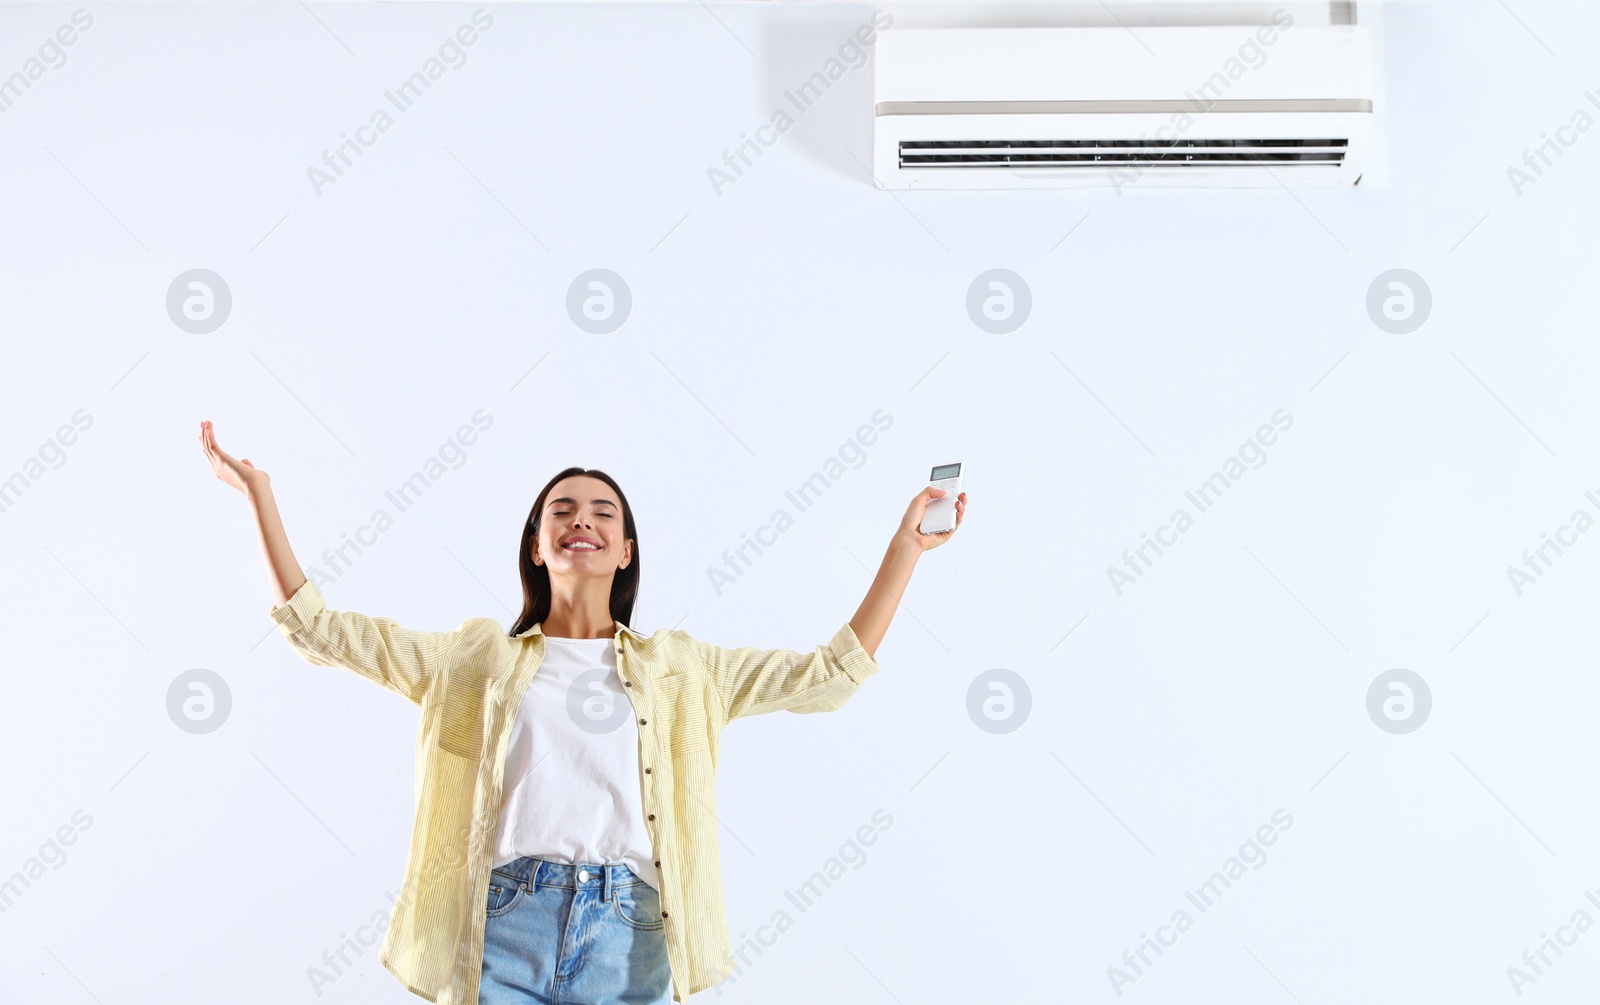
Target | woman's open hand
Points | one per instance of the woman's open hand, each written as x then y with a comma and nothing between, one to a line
910,526
242,475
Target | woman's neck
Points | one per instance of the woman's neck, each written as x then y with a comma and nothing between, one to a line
580,611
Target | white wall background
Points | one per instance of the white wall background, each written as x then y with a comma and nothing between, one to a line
768,323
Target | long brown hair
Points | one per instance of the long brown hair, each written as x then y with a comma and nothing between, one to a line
536,578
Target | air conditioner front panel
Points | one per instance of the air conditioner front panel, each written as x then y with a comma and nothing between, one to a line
1000,64
1053,108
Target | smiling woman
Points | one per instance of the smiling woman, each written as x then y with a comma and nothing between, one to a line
565,838
589,527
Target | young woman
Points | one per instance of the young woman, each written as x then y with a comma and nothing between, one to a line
565,841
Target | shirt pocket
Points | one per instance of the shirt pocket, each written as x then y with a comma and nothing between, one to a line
462,714
680,708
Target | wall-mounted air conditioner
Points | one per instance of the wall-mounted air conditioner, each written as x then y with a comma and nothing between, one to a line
1270,104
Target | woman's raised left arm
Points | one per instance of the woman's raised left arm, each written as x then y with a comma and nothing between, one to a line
871,621
751,681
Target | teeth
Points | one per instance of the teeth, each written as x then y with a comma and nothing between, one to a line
581,545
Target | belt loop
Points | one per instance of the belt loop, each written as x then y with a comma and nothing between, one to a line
533,876
605,891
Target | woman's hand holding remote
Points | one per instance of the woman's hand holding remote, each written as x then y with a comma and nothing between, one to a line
872,618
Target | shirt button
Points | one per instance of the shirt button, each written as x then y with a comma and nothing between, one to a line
663,914
658,863
647,771
652,816
643,721
627,683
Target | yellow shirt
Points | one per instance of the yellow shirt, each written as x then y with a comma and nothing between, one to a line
469,683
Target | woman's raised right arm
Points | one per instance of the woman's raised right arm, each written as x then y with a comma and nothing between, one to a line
282,568
398,658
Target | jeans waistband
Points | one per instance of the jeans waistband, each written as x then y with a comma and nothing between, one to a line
532,873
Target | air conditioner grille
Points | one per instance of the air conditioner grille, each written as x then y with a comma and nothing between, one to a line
1197,153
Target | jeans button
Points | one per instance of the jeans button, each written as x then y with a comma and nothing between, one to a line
583,875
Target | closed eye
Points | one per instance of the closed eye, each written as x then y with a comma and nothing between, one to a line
562,507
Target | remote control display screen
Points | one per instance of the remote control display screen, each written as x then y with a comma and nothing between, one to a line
947,471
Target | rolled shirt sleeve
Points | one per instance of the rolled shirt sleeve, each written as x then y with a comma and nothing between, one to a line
752,681
400,659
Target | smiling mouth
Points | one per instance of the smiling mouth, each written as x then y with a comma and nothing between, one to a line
580,546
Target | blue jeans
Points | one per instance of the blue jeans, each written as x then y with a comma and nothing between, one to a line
560,934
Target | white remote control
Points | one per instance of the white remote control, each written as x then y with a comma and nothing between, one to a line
940,515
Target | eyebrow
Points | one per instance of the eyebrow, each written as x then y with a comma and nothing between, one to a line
565,499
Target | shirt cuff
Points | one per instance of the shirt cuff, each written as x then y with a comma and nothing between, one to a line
846,648
294,615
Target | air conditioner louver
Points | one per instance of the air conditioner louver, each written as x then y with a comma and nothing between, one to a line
980,154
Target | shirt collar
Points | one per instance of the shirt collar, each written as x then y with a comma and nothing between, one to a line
538,629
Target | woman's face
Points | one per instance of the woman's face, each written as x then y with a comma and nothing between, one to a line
580,530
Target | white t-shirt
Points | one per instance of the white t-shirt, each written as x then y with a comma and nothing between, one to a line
572,781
